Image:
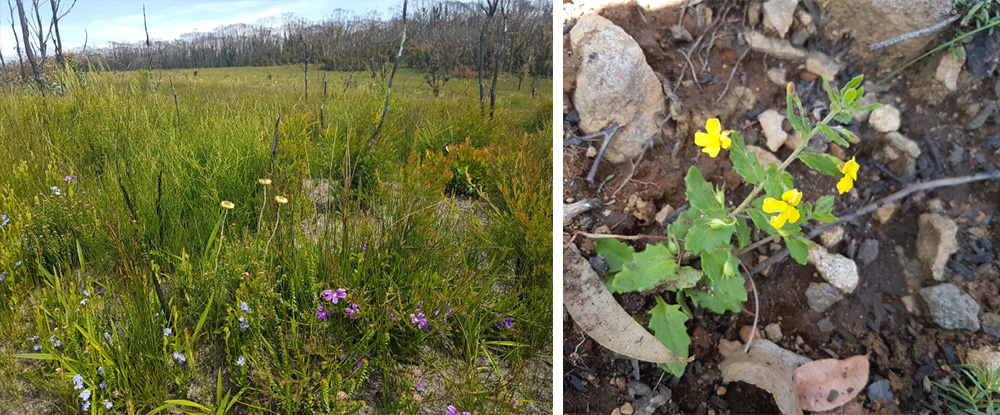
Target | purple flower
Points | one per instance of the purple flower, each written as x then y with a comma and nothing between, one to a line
85,406
68,178
353,311
244,307
419,319
85,395
452,411
506,323
77,382
322,314
179,357
392,315
334,296
108,404
244,324
240,361
38,347
417,385
103,384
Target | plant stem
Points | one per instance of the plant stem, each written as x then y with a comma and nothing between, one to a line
754,245
276,220
222,234
791,157
261,217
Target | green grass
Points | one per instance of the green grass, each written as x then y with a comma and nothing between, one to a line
449,211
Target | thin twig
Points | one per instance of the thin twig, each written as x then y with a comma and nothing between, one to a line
274,144
652,238
177,106
731,74
634,165
871,207
914,34
756,308
608,133
388,89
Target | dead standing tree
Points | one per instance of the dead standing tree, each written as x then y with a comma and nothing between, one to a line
56,17
490,8
388,89
17,41
28,51
504,5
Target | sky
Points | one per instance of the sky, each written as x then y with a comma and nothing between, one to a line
121,20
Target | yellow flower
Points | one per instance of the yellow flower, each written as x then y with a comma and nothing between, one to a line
714,139
264,182
281,199
785,207
850,170
227,205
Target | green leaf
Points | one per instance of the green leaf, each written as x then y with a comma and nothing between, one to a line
714,263
679,228
793,119
667,324
850,95
824,204
706,236
687,277
725,294
852,84
823,163
646,270
830,92
850,136
742,232
615,252
798,248
772,182
844,118
744,162
869,107
761,220
699,192
833,135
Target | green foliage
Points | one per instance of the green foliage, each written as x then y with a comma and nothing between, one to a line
982,12
667,323
981,397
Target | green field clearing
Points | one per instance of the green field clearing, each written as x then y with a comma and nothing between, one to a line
440,238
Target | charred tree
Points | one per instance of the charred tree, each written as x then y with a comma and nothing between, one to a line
489,7
499,61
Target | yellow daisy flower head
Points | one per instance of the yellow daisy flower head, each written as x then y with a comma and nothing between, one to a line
785,208
281,199
714,139
227,205
264,182
850,170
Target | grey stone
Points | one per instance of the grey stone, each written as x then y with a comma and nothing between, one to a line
936,241
904,144
778,48
869,22
778,15
615,84
991,324
838,270
800,37
884,119
957,155
951,308
773,332
822,65
770,124
868,251
571,210
820,296
879,392
865,100
949,68
764,157
777,75
825,325
639,388
832,236
649,405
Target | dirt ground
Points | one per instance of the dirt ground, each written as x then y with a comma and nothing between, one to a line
908,348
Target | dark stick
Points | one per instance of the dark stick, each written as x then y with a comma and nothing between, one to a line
274,145
388,89
608,133
149,56
499,63
322,105
176,105
871,207
135,219
159,211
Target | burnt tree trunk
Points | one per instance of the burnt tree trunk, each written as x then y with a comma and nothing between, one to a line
27,46
499,63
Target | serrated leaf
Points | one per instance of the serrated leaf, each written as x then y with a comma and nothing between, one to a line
772,182
744,162
843,118
798,248
727,294
687,277
848,134
667,323
646,270
742,232
869,107
823,163
786,180
824,204
714,263
699,192
615,252
830,92
761,220
852,84
680,227
703,237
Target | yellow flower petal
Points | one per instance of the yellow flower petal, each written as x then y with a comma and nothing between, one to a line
772,205
705,139
845,184
725,140
712,150
227,205
778,221
713,126
793,214
792,197
850,169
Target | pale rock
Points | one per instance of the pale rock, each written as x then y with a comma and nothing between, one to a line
907,145
615,84
778,15
764,157
884,213
884,119
572,209
778,48
832,236
616,411
951,308
794,140
949,68
889,153
865,100
986,357
806,20
910,303
591,151
753,13
661,216
773,332
991,324
770,123
935,205
627,409
777,75
820,296
823,65
936,241
838,270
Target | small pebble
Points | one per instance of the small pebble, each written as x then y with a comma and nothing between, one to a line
627,409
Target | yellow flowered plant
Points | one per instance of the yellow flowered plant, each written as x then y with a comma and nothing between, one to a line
785,208
714,139
850,170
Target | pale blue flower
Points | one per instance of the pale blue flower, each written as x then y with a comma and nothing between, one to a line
107,336
85,395
167,331
179,357
56,190
100,369
108,404
86,293
244,307
103,384
38,348
78,382
85,406
244,324
240,361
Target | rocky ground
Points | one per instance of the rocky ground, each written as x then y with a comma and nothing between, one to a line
914,282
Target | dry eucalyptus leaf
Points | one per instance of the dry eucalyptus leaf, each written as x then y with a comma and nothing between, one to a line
768,367
595,310
828,383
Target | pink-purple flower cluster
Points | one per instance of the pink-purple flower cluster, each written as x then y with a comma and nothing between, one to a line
322,314
453,411
426,322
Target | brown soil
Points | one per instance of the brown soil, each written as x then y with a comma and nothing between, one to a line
907,347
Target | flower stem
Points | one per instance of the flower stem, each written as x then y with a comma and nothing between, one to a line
261,217
754,245
276,220
222,233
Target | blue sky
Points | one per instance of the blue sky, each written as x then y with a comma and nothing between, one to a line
121,21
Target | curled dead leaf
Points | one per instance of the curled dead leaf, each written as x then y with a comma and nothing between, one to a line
595,310
768,367
825,384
